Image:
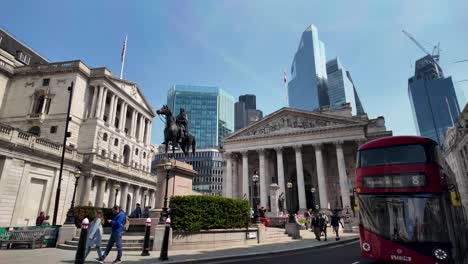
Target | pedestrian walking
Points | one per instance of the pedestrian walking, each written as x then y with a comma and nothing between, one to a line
323,224
308,216
335,223
40,219
95,234
315,223
116,235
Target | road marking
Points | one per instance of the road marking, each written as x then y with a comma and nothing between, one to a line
357,262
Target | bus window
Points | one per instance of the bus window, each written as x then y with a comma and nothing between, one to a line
403,154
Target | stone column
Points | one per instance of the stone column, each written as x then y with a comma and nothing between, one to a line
93,102
111,110
280,168
142,128
262,179
274,195
148,132
151,198
344,188
300,180
101,186
228,179
123,116
88,179
123,196
80,190
97,114
245,176
133,126
235,176
322,185
103,104
136,196
111,201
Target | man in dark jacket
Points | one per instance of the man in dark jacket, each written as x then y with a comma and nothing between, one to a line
116,234
315,223
335,223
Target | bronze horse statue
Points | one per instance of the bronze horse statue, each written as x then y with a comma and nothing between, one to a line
173,133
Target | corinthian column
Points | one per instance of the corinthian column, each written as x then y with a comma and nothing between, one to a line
262,179
245,176
280,168
322,185
228,180
300,179
344,188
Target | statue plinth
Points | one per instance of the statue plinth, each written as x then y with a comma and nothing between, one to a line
180,180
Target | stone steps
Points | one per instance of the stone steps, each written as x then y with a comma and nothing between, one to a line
276,235
129,243
124,248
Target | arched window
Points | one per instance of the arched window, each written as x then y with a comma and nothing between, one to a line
35,130
116,142
136,151
126,154
103,153
104,137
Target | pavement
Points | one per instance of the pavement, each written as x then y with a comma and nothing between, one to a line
243,254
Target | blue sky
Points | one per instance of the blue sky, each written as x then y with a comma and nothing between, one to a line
244,46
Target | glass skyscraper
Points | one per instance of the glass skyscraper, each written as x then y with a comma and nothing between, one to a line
341,89
433,99
210,111
307,89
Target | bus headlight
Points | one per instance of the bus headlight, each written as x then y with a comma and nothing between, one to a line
440,254
366,247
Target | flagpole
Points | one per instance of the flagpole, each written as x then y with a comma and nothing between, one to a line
286,89
122,59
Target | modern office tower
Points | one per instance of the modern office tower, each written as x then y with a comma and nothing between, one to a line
246,112
208,163
307,89
210,111
433,99
341,88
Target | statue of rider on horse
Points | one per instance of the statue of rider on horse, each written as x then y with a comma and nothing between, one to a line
177,131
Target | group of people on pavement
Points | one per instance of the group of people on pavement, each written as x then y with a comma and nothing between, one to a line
137,213
318,222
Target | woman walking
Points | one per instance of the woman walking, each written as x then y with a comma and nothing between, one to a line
95,234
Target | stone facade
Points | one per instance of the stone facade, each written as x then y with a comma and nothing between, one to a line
310,149
455,151
110,131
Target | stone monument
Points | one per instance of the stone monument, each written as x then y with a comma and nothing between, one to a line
274,196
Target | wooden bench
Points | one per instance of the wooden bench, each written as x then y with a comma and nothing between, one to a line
24,237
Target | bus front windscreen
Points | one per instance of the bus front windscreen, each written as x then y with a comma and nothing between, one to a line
406,219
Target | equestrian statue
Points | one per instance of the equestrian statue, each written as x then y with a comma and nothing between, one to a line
177,131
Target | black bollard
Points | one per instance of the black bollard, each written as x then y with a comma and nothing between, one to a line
80,252
165,243
146,244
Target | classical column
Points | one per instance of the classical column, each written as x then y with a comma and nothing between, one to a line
111,110
103,104
99,102
136,196
93,102
101,186
142,127
235,176
80,190
245,176
262,179
280,168
228,179
133,123
123,196
322,185
300,179
148,132
151,198
88,179
114,112
123,115
344,188
111,200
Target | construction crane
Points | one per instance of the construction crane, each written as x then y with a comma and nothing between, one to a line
435,52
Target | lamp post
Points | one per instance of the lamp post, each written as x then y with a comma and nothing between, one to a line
165,213
290,210
312,190
70,215
255,179
64,145
117,189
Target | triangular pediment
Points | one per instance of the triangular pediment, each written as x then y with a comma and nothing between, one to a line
288,120
133,91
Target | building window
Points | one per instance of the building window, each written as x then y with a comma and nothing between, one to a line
53,129
45,82
115,156
35,130
23,57
144,155
116,142
103,153
39,101
136,151
104,137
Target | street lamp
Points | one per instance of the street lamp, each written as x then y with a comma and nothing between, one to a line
290,210
70,214
255,179
116,187
165,213
312,190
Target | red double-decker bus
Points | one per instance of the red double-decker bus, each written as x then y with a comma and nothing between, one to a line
404,204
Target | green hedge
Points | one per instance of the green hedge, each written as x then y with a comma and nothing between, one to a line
82,212
194,213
